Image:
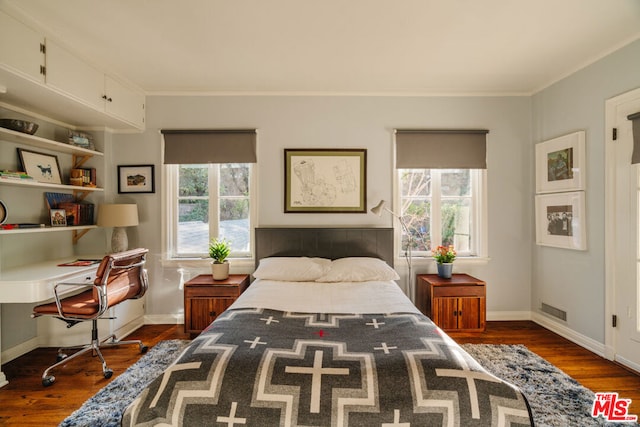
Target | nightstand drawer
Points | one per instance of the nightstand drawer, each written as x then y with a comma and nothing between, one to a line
459,291
212,291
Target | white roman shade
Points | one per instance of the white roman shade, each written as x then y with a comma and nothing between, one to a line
441,149
635,156
209,146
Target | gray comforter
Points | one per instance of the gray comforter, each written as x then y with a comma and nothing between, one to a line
272,368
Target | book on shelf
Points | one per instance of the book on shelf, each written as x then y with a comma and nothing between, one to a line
53,199
77,213
85,177
15,175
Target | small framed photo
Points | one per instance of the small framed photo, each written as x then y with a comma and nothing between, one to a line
58,217
325,180
560,220
560,164
136,179
40,166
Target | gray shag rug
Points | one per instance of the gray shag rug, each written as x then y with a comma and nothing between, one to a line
556,399
106,407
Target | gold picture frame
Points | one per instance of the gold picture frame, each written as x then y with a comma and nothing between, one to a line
325,180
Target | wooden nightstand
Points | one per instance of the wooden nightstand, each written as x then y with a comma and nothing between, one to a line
456,304
205,299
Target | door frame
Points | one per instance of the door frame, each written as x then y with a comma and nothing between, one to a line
611,105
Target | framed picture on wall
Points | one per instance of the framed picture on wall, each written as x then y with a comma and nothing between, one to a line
560,220
560,164
136,179
325,180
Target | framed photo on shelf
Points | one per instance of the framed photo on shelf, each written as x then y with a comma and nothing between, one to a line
136,179
325,180
560,164
560,220
41,167
81,139
58,217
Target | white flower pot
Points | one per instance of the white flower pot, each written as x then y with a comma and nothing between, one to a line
219,271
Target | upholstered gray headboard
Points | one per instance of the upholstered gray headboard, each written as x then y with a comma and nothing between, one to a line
330,243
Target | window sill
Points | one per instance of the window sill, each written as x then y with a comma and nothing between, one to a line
421,261
243,264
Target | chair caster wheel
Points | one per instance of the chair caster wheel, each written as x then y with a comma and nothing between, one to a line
60,357
143,348
47,381
108,373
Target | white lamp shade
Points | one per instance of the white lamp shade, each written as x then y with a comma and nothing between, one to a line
117,215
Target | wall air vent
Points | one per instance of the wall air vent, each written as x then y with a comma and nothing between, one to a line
555,312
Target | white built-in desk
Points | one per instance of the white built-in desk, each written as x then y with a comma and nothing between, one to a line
34,283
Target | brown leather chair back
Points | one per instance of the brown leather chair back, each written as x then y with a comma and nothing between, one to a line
122,275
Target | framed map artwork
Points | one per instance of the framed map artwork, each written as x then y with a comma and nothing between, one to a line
325,180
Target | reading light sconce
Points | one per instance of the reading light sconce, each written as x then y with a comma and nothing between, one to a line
378,209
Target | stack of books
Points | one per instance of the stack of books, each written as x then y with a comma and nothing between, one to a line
85,177
14,175
77,213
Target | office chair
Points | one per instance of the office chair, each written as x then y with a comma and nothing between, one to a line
120,276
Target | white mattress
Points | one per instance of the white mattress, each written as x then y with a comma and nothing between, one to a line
313,297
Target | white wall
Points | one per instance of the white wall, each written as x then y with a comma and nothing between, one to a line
574,280
354,122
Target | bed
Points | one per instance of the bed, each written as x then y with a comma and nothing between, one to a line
325,337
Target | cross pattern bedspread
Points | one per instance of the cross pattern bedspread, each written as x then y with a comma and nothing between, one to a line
265,367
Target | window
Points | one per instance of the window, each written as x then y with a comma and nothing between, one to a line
209,189
441,207
440,189
207,201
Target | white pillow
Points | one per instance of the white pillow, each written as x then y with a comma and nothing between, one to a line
292,269
358,269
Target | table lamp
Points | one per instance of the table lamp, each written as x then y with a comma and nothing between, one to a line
118,216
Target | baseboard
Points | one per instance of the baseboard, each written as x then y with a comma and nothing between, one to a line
164,319
629,364
568,333
18,350
508,315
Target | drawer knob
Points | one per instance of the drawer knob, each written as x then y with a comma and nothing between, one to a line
213,314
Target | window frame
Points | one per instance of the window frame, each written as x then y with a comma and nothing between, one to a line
170,212
479,218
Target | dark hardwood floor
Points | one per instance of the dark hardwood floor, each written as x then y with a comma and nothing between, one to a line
25,402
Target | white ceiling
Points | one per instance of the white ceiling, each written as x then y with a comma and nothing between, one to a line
408,47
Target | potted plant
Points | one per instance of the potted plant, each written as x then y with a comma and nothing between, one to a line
219,250
444,256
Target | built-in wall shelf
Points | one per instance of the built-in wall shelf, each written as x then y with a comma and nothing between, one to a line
34,183
36,141
78,230
48,229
